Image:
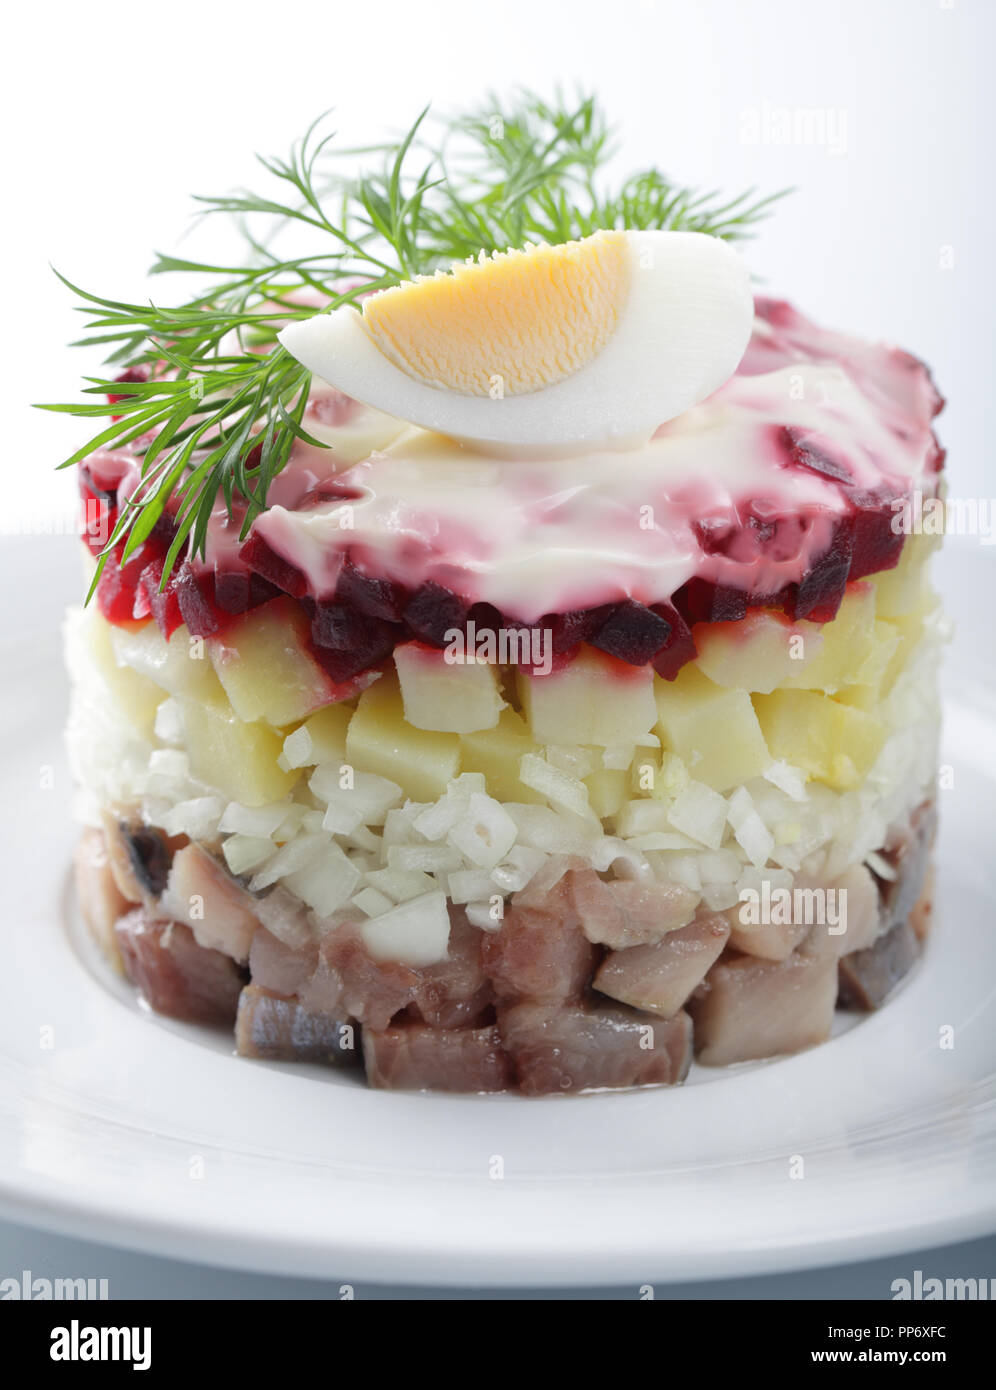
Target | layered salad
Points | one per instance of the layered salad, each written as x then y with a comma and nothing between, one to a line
508,672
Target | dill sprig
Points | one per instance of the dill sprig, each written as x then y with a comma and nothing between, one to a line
211,404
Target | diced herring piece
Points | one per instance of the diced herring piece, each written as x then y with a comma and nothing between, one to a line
100,899
658,978
540,952
455,992
909,855
556,1048
857,896
766,940
204,896
138,857
280,1030
748,1008
622,913
177,977
416,1057
920,918
276,967
449,993
868,977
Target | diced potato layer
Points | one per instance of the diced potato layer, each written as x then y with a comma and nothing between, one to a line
833,742
444,696
760,689
594,699
712,729
238,758
380,740
264,663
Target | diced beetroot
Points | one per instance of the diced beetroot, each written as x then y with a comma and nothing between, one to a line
257,554
176,976
877,544
936,453
163,604
679,647
803,449
347,643
236,591
415,1057
118,585
702,601
375,598
140,373
196,608
713,533
557,1048
821,589
338,627
569,630
99,512
433,612
778,312
633,633
231,591
328,491
783,600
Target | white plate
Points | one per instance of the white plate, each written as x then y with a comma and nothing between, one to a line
153,1135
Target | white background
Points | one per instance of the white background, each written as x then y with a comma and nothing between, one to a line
110,123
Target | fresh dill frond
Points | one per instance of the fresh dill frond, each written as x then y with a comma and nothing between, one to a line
211,404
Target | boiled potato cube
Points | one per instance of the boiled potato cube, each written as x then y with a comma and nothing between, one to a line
846,642
496,753
134,694
835,743
757,653
608,790
446,696
263,661
237,759
181,665
713,730
595,699
379,739
902,590
321,738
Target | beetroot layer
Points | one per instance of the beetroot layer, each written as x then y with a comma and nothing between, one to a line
358,629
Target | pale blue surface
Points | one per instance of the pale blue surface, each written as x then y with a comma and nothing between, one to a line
148,1277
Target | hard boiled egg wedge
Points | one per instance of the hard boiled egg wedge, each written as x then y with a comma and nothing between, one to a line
587,343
